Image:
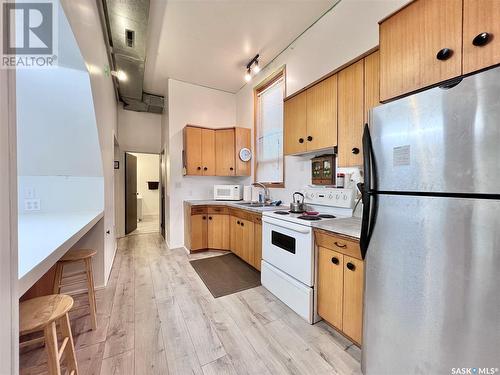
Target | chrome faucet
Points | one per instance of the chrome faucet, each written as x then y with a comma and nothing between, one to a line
267,198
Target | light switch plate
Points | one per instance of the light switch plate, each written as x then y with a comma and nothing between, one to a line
32,204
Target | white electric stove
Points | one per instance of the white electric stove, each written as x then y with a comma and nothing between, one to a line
288,257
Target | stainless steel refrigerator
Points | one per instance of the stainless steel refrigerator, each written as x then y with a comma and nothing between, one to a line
431,231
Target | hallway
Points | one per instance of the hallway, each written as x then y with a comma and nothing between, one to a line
157,317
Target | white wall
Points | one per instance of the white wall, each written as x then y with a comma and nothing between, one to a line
192,104
83,16
119,192
346,32
148,169
139,131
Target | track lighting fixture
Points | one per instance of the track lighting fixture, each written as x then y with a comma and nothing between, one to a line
252,67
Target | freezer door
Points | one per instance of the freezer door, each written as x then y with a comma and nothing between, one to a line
441,140
432,298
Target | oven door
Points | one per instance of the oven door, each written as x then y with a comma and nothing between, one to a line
289,247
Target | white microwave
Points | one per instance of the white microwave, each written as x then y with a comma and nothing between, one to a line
228,192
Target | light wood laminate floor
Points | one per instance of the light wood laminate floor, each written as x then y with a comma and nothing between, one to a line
157,317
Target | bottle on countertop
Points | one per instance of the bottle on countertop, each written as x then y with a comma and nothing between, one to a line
340,180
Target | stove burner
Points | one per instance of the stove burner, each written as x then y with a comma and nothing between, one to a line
309,217
326,216
282,212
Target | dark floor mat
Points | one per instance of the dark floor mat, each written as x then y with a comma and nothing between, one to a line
226,274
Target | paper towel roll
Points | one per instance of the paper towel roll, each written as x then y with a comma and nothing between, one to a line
247,193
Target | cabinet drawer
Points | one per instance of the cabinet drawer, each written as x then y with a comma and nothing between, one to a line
338,243
218,210
197,210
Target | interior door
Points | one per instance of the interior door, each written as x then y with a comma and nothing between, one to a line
130,193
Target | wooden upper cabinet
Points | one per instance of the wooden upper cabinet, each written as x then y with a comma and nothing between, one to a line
192,151
372,82
350,114
224,152
321,113
481,35
295,127
208,151
410,41
352,316
242,140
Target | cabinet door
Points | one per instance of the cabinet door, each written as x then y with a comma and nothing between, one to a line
192,150
242,139
199,232
352,322
351,114
410,41
208,151
322,115
224,152
257,255
218,231
247,241
372,83
235,237
295,124
481,51
330,286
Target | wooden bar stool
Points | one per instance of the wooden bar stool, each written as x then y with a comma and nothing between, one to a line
72,256
42,313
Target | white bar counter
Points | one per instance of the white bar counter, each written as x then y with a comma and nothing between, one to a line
45,237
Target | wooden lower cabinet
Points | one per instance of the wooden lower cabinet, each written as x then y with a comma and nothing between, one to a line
352,316
242,239
257,246
340,284
218,231
330,286
199,233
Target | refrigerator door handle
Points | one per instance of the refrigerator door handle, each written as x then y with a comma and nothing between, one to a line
369,209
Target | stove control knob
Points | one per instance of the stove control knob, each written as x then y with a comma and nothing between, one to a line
337,197
345,197
330,196
312,195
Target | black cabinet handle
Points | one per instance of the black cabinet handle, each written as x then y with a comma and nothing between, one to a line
199,168
204,218
339,245
444,54
210,218
301,140
205,169
350,266
238,222
242,224
309,138
231,168
355,150
481,39
335,260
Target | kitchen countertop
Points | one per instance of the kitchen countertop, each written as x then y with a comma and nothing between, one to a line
348,226
45,237
234,204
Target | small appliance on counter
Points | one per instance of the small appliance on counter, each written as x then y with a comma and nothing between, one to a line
228,192
247,193
323,170
297,205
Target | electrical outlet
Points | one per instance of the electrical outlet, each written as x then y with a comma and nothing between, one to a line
32,204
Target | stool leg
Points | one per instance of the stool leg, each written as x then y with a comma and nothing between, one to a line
58,277
51,347
91,292
69,350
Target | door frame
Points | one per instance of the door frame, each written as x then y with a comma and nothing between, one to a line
162,193
127,232
9,349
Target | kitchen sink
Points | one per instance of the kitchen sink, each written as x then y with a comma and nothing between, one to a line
254,204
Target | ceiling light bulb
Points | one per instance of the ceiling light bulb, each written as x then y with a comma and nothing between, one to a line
248,76
121,75
256,67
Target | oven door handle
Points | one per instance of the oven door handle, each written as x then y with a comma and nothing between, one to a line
288,226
